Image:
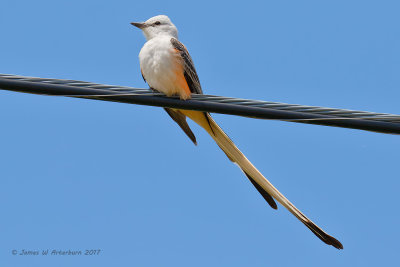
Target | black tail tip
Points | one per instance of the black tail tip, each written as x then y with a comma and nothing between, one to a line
335,243
327,239
330,240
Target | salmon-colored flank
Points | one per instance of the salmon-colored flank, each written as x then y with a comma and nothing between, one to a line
181,83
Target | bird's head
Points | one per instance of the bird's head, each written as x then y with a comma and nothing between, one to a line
156,26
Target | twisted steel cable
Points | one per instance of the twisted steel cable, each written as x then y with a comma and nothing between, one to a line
371,121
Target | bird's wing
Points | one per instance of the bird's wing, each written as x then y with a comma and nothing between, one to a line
189,70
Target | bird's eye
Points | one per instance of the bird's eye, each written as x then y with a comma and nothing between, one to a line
157,23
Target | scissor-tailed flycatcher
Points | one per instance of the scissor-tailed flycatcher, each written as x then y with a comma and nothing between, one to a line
168,68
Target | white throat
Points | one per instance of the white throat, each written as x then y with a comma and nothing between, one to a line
164,30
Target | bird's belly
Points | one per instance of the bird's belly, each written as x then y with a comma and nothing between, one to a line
161,68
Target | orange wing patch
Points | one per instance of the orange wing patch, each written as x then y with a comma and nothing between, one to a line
181,83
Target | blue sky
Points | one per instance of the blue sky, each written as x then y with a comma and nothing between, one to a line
80,174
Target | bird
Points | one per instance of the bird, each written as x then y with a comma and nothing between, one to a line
167,67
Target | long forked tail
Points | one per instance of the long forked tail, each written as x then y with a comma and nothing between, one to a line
259,181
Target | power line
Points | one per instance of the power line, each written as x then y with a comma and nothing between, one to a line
362,120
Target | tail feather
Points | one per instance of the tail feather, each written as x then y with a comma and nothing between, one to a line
270,200
260,182
180,119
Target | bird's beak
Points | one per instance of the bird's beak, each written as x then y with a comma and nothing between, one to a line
140,25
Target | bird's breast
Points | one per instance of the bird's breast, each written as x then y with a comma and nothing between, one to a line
161,66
